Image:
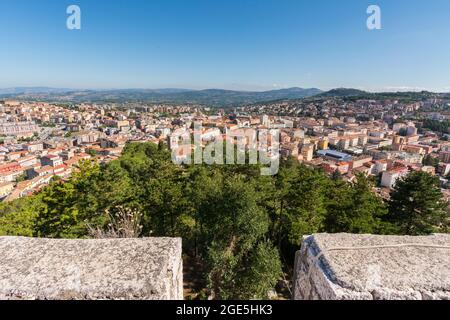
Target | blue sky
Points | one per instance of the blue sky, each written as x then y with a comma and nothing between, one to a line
232,44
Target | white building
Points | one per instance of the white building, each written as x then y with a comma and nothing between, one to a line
390,178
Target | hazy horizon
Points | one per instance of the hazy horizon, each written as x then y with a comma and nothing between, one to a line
225,89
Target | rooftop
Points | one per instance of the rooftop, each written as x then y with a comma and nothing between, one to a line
335,154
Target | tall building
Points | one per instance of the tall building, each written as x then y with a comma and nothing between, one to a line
323,144
265,121
444,156
390,177
308,152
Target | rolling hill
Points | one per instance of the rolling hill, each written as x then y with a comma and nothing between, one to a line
211,97
343,92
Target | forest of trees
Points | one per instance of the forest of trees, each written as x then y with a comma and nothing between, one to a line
240,227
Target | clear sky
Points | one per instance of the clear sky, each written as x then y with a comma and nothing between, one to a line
232,44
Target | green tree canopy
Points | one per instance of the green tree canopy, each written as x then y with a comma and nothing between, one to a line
238,225
417,206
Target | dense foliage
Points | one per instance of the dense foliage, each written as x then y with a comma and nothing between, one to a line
436,125
428,160
417,207
242,228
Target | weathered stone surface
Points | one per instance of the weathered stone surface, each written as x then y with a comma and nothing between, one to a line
366,267
147,268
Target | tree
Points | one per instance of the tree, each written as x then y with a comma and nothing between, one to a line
203,182
428,160
417,206
59,218
355,208
238,255
305,203
18,218
21,178
338,207
91,152
336,175
436,125
264,266
277,208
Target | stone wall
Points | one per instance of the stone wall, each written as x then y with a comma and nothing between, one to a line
369,267
147,268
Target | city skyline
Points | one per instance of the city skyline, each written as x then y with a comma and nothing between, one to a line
249,46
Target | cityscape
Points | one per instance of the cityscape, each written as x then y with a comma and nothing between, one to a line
385,138
164,165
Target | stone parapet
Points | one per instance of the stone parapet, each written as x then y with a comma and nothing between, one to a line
371,267
56,269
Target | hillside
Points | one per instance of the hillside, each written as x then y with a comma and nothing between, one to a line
342,92
211,97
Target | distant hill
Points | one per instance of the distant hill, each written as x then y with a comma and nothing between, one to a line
208,97
343,92
31,90
352,94
211,97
